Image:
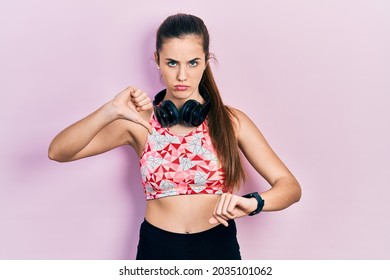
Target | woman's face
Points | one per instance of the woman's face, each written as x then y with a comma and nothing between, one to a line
182,62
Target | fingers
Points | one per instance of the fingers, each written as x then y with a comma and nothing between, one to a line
140,100
226,206
224,209
129,103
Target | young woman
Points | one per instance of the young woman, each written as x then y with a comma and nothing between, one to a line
188,143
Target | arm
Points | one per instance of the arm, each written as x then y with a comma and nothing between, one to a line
285,189
114,124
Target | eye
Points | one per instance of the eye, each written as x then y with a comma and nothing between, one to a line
172,63
193,63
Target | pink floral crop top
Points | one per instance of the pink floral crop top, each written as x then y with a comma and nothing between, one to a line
173,164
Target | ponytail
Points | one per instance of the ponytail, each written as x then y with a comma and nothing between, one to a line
224,140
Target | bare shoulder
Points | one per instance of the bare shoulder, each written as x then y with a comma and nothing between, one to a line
242,123
238,114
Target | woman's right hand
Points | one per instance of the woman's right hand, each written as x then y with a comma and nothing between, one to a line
104,129
129,103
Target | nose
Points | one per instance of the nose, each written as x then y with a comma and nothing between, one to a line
182,75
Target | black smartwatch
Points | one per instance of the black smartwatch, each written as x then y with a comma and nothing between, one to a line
260,202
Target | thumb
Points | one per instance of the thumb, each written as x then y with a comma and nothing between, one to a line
145,124
213,221
133,115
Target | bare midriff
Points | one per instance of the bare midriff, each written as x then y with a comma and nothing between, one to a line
182,213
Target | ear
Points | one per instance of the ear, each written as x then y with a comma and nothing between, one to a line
157,59
207,61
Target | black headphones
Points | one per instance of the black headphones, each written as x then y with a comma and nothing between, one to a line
191,114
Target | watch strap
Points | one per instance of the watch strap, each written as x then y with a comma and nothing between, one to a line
260,202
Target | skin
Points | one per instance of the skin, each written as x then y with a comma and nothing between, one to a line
125,121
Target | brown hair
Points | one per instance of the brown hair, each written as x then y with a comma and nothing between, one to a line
224,140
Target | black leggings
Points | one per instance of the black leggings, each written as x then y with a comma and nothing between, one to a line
218,243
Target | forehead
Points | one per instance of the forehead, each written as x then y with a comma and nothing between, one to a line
184,48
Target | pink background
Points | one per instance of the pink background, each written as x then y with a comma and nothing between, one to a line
313,75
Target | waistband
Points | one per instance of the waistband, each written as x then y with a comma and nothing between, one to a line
147,227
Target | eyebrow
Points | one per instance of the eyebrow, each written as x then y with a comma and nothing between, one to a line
191,60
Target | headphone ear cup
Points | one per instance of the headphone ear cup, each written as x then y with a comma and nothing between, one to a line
167,113
190,113
202,113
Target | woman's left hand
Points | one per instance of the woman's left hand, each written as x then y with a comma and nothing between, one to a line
230,206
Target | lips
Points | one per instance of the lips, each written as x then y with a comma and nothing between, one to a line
181,87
